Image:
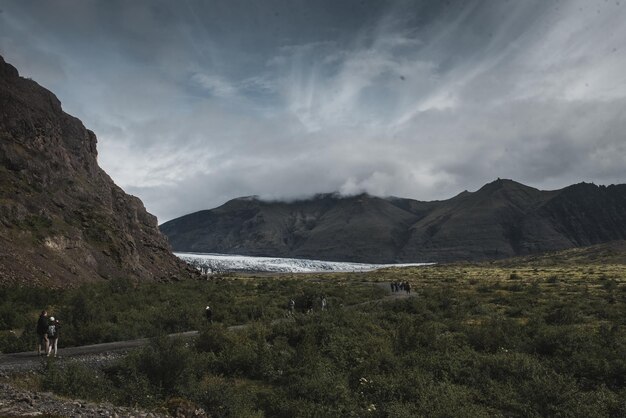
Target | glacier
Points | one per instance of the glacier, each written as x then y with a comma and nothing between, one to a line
224,263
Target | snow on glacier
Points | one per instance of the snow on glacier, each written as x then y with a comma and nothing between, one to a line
222,263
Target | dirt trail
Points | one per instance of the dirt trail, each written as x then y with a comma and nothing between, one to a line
31,359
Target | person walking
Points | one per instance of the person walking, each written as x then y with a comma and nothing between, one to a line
324,303
42,337
208,312
54,327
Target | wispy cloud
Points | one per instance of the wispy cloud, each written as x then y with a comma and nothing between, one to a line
199,104
215,85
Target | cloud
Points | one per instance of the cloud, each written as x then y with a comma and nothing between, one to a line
215,84
203,102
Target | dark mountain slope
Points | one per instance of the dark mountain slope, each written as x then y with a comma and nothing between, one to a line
488,223
502,219
328,227
62,219
586,214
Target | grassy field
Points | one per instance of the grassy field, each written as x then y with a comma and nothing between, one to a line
514,339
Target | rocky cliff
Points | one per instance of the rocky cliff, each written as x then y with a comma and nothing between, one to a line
62,219
502,219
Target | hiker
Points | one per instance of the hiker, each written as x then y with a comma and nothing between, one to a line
42,337
53,335
324,303
407,286
393,287
208,312
291,306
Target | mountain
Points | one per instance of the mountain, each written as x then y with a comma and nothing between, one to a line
502,219
62,219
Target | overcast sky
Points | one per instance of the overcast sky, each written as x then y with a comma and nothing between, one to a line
198,102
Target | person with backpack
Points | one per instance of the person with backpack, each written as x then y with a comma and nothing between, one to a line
53,335
42,336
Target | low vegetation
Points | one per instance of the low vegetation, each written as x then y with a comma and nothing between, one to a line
122,310
474,341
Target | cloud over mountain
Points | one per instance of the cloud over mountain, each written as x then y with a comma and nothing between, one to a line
195,103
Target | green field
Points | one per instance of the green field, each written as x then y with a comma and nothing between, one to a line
525,340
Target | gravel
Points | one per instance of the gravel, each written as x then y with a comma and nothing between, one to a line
18,402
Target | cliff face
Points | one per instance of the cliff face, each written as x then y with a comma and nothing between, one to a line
502,219
62,219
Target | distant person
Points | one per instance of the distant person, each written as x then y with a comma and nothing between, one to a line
208,312
42,337
393,287
324,303
407,286
291,306
53,335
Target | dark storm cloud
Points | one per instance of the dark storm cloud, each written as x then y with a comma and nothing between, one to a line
197,102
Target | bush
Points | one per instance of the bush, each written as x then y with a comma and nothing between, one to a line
76,380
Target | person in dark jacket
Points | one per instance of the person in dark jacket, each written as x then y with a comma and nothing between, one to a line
208,312
42,333
54,326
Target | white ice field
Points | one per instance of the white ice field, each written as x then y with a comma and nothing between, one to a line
222,263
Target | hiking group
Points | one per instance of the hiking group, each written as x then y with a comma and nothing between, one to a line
309,305
47,334
401,286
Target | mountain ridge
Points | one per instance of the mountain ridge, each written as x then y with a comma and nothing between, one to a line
502,219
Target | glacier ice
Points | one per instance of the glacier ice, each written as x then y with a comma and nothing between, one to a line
222,263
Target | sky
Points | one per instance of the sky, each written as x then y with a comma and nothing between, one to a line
198,102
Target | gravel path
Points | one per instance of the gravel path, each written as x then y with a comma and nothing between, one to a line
29,359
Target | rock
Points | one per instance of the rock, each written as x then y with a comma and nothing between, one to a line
21,403
57,202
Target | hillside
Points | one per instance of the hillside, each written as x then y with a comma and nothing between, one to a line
62,219
502,219
608,253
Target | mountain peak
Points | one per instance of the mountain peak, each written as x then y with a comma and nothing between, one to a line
7,70
505,185
502,219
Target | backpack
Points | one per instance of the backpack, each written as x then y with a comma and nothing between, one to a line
52,330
